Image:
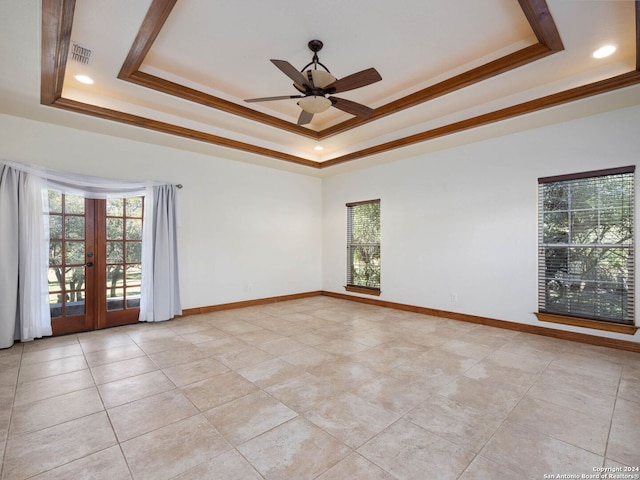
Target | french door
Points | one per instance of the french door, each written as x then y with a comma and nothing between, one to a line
95,269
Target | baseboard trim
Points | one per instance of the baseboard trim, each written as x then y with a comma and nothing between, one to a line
248,303
463,317
491,322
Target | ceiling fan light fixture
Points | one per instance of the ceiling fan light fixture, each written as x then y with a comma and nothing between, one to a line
322,79
314,104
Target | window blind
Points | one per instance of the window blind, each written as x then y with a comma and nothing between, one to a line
363,244
586,245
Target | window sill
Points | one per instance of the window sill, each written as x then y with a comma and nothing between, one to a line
365,290
586,323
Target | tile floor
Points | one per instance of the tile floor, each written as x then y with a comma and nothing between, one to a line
317,388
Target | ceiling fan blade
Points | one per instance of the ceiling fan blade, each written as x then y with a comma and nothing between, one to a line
355,80
354,108
268,99
305,117
291,72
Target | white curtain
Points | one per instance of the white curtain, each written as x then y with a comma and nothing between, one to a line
24,306
24,248
160,297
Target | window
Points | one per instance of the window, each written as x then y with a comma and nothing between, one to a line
363,247
586,265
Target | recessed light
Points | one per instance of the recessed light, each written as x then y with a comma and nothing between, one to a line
318,148
605,51
84,79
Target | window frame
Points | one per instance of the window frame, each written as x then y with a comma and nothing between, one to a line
626,323
350,285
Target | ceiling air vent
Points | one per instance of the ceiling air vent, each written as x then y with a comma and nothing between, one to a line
80,54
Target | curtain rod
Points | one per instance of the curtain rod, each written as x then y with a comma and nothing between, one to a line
179,185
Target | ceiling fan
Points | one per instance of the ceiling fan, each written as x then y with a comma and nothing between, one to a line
315,85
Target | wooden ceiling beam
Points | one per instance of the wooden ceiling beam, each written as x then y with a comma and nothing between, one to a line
57,19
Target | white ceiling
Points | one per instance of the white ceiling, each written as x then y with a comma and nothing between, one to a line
223,49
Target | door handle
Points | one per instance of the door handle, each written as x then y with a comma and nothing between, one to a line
89,264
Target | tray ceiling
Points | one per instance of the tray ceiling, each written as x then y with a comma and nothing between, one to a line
185,67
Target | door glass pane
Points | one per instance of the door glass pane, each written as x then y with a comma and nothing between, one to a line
115,298
75,296
114,277
115,207
55,279
133,297
75,304
134,207
55,227
134,229
55,253
74,278
55,304
74,253
134,252
115,252
74,204
74,227
115,228
134,274
55,202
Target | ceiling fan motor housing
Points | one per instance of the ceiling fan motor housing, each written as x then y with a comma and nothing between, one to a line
315,45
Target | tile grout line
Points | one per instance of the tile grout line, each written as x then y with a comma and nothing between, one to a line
113,430
613,413
13,400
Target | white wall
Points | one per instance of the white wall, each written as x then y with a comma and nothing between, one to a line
247,231
460,221
459,226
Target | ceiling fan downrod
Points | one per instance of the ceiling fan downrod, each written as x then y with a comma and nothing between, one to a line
315,46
